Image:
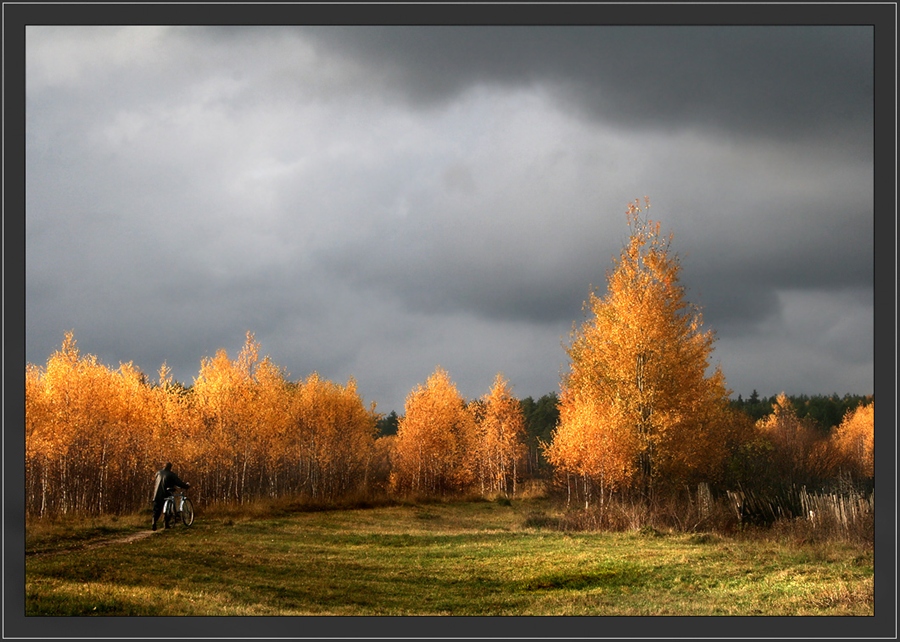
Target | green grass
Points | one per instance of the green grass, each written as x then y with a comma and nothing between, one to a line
476,558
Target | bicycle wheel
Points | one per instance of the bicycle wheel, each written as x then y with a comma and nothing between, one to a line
187,512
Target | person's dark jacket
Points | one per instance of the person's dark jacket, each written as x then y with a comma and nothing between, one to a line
166,479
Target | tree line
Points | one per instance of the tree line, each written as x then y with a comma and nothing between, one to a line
827,411
243,430
640,414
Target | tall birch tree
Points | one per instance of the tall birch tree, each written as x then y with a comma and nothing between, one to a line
639,405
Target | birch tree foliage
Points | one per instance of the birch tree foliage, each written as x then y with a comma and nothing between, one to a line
501,438
591,444
854,440
86,428
225,394
435,440
334,435
94,436
798,446
637,403
272,436
175,430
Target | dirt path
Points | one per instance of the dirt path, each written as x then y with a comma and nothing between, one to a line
128,539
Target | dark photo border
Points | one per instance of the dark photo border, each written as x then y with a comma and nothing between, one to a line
882,16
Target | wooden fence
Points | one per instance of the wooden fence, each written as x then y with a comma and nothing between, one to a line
820,508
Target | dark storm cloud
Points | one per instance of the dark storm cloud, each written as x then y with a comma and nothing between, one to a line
741,238
785,82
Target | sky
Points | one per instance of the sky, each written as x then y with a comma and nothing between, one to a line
376,202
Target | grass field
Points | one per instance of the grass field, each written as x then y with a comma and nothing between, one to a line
454,558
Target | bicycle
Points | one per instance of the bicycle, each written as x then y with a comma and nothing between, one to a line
178,508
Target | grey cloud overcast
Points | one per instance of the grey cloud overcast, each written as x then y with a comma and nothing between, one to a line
373,202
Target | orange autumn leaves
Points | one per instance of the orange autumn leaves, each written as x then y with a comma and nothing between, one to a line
94,436
266,435
798,449
854,442
642,408
444,444
243,430
86,437
637,407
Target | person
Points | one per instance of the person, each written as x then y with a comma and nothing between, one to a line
165,481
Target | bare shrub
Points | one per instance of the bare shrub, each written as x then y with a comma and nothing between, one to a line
790,514
689,511
542,520
532,489
617,515
680,513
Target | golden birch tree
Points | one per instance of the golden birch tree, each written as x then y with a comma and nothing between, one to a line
335,437
591,448
796,443
224,394
272,435
126,450
79,429
638,403
501,439
435,440
173,431
38,458
87,434
854,441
